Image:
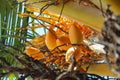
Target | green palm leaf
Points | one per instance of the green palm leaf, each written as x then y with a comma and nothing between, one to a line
10,37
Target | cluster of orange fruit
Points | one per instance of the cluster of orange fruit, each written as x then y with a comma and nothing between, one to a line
63,39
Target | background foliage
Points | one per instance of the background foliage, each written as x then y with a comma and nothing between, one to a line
11,38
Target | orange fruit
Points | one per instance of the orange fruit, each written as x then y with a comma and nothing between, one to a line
31,50
38,56
50,39
75,35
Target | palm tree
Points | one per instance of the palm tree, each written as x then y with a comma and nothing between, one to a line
14,33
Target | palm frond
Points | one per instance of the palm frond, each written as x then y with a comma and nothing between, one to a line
10,37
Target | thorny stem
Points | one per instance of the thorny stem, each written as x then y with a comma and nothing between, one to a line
89,2
101,8
63,4
72,65
44,8
69,70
